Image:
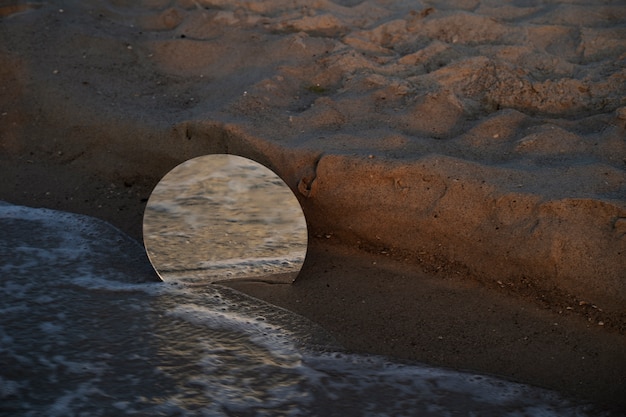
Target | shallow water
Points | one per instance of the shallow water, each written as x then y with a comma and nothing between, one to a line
84,330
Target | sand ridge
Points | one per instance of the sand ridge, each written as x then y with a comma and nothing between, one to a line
494,133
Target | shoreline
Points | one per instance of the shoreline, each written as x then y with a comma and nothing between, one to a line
490,213
374,304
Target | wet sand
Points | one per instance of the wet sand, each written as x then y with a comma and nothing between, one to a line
461,165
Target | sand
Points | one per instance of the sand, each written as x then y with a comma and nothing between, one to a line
461,164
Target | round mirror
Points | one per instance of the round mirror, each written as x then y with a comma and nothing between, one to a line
224,217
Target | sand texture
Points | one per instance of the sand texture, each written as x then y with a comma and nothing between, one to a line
482,142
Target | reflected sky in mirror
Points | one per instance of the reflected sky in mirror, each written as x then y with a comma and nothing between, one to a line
224,217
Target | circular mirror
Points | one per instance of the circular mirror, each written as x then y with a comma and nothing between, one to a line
224,217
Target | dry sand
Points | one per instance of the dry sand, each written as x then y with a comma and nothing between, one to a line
461,163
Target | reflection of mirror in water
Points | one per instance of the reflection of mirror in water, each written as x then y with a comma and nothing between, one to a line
224,217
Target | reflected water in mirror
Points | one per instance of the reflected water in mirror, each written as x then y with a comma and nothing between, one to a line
224,217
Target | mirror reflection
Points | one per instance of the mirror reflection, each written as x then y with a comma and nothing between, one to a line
224,217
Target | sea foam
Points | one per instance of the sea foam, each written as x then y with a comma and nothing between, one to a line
85,329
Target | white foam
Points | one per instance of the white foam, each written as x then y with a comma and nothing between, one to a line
263,334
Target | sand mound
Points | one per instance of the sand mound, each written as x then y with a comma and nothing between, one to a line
480,137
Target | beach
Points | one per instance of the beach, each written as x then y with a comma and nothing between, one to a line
461,164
